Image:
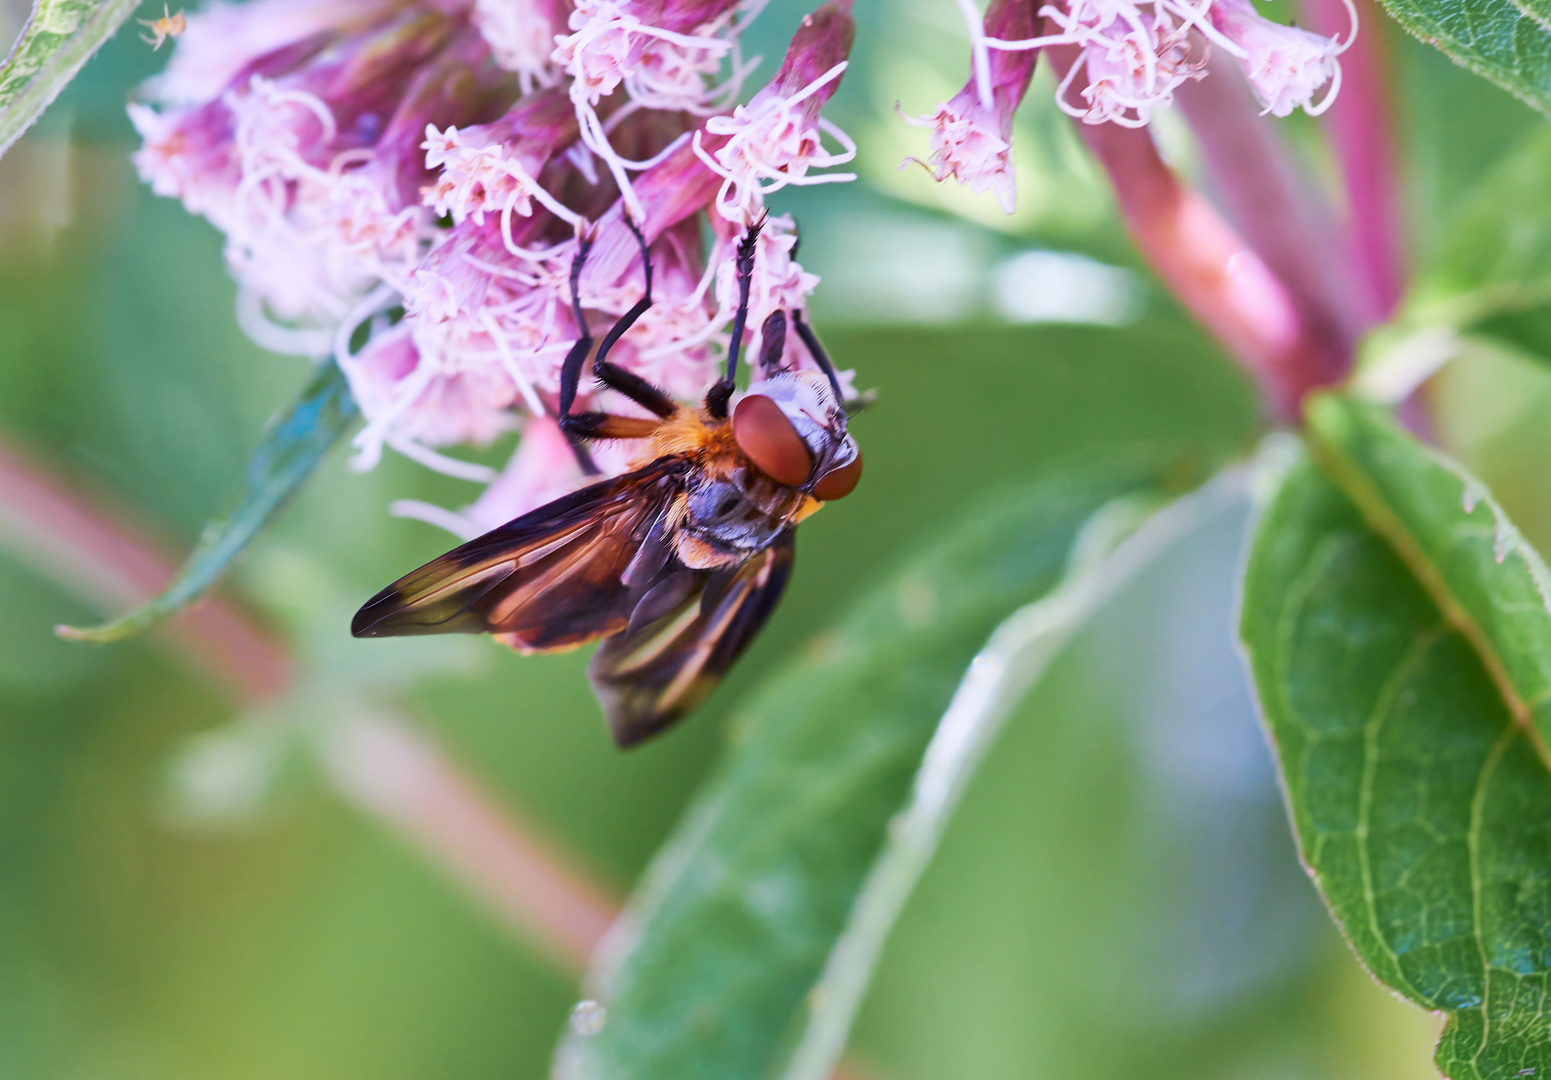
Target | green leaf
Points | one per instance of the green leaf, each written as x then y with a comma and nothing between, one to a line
1489,583
1418,798
1110,548
60,36
289,454
1491,274
707,974
1506,41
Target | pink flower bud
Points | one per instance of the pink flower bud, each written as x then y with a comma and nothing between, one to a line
521,34
495,166
970,141
1286,65
775,139
662,50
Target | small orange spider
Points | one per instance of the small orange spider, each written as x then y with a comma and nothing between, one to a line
167,26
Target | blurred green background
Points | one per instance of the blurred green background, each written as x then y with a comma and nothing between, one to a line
1119,895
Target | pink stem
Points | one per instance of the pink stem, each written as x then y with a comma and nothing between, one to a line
1219,278
379,764
1361,133
387,768
1272,207
113,568
377,761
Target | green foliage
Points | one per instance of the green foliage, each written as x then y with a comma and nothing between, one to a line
1418,797
286,459
1458,543
60,36
737,917
1491,274
1501,40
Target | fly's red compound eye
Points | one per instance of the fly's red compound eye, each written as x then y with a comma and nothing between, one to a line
768,439
840,483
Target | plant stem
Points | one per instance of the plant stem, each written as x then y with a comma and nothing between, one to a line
1361,134
1222,281
377,762
94,555
386,767
1274,208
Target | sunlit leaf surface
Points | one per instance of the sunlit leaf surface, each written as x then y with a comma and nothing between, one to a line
283,462
740,911
60,36
1419,801
1458,543
1506,41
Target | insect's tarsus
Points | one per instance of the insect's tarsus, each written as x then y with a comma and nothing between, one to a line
810,339
571,368
615,377
772,350
579,426
716,398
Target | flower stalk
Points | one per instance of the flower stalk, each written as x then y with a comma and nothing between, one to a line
1219,278
1361,131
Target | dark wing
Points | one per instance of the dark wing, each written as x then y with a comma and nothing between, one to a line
551,579
684,635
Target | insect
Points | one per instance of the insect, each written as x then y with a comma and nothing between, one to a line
168,26
676,564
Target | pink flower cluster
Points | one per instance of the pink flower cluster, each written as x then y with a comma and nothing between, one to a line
1131,57
402,185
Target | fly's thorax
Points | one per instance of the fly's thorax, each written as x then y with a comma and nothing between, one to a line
732,512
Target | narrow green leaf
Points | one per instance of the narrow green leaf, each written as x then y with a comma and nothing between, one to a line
1506,41
706,975
60,36
290,452
1418,799
1119,540
1459,545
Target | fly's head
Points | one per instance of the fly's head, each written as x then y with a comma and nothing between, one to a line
792,427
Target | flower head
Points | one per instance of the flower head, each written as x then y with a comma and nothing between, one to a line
408,184
1131,55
